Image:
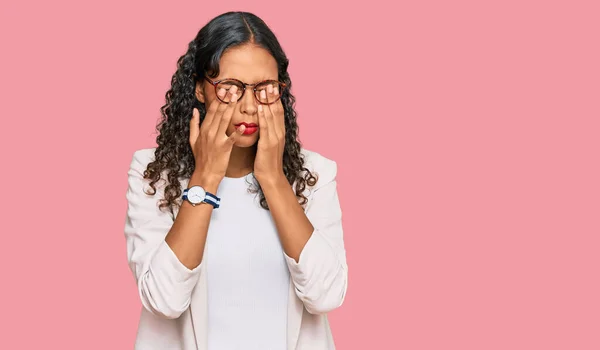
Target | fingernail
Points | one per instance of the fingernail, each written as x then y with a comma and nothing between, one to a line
263,94
242,128
260,108
221,92
234,98
270,89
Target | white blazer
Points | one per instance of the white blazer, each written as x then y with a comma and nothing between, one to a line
174,298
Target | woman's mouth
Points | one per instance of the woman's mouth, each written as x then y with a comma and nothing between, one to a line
251,128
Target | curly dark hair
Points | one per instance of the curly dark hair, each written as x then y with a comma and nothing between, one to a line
173,155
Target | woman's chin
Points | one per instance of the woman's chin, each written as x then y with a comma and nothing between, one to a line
246,141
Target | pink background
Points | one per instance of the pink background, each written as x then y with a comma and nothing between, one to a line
466,134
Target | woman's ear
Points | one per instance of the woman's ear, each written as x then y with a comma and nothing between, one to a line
200,91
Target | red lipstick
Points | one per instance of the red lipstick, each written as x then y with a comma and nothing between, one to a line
251,128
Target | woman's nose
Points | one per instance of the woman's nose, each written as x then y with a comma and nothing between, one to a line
248,102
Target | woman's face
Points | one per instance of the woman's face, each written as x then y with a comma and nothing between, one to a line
250,64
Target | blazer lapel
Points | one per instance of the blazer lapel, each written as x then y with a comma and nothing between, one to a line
294,318
295,308
199,311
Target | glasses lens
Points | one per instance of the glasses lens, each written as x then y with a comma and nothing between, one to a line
227,85
263,94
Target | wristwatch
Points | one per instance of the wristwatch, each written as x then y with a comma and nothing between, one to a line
197,195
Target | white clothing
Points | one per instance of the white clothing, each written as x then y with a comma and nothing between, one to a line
175,299
247,276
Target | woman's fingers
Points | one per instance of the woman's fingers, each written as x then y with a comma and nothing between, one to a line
218,111
228,113
236,134
278,112
263,127
268,115
210,113
194,127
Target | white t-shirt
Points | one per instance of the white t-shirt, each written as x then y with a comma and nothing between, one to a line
247,275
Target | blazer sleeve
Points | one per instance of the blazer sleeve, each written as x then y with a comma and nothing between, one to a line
321,273
164,283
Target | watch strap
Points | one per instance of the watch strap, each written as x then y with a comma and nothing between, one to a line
212,200
208,198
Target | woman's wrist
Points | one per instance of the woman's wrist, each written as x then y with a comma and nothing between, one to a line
274,181
209,182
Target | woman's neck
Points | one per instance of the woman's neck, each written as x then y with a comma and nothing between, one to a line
241,161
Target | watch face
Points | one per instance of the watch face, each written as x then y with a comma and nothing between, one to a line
196,194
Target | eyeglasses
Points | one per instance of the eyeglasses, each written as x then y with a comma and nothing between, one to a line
257,88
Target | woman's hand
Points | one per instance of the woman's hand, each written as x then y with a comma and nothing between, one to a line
210,144
268,165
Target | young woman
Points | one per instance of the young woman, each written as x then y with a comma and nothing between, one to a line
234,230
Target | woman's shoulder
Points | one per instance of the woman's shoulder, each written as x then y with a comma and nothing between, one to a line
324,167
142,157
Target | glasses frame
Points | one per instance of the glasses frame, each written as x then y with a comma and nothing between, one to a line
245,86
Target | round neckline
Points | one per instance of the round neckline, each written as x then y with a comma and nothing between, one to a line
238,178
